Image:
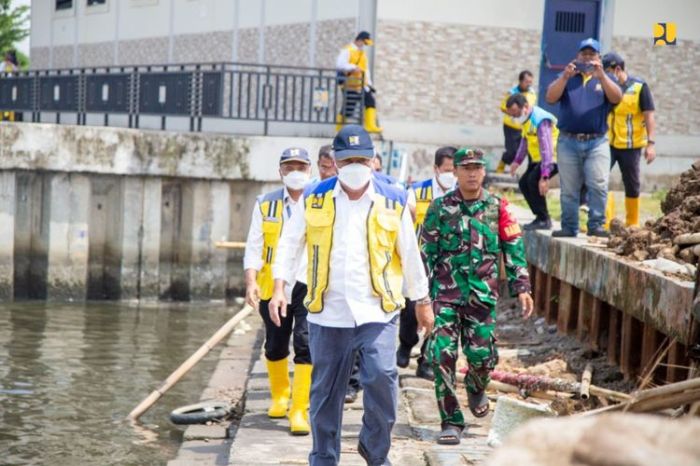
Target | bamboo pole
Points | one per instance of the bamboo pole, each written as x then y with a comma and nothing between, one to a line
536,383
584,392
173,378
601,392
659,403
230,244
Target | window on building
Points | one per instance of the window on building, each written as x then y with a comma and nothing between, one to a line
570,21
96,2
64,4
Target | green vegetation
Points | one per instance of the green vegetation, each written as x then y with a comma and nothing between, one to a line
649,209
13,28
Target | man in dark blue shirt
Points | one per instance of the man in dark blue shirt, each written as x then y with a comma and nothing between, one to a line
586,94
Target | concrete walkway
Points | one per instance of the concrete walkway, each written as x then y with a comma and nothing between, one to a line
260,440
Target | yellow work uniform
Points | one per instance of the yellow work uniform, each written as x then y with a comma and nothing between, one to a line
383,224
626,127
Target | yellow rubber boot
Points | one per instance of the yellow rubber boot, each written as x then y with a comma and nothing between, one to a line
299,412
340,122
632,211
371,120
501,168
278,374
609,211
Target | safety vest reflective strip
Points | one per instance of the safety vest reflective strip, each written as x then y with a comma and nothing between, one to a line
424,195
529,95
626,127
530,133
271,207
383,225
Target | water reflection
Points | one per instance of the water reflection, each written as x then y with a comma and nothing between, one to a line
70,374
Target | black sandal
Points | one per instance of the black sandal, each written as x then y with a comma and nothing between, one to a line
450,435
478,401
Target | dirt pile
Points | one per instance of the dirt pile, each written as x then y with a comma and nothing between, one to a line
662,238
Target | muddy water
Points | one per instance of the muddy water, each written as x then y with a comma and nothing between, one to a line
69,374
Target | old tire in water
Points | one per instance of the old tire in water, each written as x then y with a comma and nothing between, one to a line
200,413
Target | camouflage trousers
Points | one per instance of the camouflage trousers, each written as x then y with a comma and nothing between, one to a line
471,325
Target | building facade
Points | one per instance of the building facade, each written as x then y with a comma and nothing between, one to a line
440,67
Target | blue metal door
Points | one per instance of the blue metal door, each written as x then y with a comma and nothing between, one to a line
566,23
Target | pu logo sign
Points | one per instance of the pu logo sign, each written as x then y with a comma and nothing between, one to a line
354,140
664,34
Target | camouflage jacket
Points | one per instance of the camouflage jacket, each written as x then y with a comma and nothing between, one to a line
461,242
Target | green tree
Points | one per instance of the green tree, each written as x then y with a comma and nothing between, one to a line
13,28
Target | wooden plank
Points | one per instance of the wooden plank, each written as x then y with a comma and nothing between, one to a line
651,342
599,317
568,308
585,313
551,300
630,356
540,291
614,328
677,363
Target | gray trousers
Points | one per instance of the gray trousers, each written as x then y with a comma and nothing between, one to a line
333,352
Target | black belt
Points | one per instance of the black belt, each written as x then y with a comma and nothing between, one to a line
581,136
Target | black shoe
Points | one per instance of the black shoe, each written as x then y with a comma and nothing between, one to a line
365,456
403,356
351,394
563,234
598,232
424,371
538,225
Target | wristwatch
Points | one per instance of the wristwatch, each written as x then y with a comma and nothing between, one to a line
649,141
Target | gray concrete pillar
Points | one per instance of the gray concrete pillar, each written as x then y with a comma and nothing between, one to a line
8,191
104,225
150,238
210,204
243,196
140,238
66,276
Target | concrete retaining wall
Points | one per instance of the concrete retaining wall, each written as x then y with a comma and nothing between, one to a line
111,213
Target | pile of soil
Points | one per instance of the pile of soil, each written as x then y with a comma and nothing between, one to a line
681,210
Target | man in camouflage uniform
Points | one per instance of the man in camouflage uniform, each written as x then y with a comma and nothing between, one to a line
463,235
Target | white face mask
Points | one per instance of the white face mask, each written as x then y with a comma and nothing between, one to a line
355,175
295,180
522,118
446,180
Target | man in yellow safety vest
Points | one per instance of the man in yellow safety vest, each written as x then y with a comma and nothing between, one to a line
631,128
539,144
361,251
271,212
356,82
512,129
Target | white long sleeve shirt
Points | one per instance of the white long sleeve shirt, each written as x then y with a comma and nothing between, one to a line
349,301
342,63
252,259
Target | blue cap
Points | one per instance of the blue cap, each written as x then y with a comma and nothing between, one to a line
353,141
612,59
589,43
295,154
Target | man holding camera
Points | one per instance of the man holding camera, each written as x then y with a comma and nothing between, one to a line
586,94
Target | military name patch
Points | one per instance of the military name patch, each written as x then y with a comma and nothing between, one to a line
512,230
